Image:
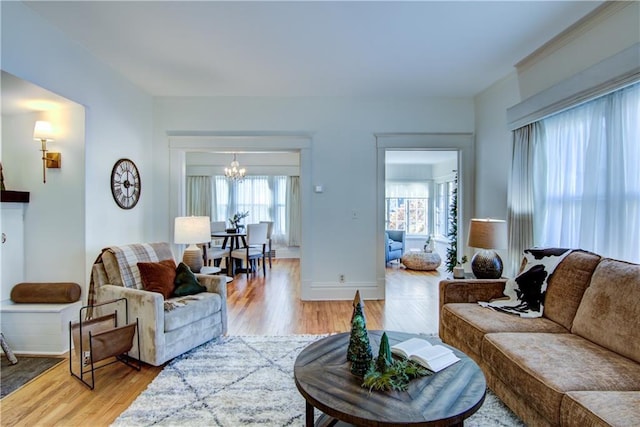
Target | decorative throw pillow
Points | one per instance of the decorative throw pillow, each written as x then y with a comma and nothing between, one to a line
158,276
527,291
186,282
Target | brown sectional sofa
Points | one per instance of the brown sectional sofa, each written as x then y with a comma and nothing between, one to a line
578,365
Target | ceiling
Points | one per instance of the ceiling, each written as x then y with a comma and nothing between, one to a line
312,48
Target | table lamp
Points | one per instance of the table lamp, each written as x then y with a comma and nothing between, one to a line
191,230
487,235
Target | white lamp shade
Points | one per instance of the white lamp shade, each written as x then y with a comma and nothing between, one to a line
487,234
192,229
42,130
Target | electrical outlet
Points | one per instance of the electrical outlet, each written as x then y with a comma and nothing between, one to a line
341,278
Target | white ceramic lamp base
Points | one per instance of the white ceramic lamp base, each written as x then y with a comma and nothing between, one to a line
193,258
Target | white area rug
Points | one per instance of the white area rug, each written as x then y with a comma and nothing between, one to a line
245,381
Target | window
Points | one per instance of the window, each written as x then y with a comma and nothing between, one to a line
265,197
586,180
407,207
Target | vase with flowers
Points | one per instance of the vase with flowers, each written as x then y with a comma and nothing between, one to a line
235,221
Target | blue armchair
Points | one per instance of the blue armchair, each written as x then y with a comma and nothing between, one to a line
393,245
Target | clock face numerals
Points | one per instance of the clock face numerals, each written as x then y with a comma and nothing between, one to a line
125,183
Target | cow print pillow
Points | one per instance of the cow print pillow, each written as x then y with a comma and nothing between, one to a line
525,294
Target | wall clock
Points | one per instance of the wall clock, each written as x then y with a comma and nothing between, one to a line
125,183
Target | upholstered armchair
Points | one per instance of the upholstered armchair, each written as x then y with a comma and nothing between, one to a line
393,244
168,325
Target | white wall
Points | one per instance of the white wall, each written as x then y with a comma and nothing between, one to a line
406,172
493,152
118,124
343,160
54,217
264,163
493,148
444,171
612,29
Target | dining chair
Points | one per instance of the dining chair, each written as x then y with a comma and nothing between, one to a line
215,255
215,252
254,249
269,230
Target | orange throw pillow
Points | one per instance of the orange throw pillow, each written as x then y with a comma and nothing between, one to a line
158,276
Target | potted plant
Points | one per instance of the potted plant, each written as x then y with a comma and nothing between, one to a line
235,221
458,270
427,244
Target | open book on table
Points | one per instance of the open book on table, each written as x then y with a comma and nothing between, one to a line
432,357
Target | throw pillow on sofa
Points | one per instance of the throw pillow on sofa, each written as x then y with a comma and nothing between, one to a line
186,282
158,276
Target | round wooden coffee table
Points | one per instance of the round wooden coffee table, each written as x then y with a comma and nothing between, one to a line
446,398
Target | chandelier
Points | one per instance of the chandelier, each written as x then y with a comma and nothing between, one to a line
235,172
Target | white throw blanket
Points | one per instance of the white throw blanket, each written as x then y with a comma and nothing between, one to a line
525,294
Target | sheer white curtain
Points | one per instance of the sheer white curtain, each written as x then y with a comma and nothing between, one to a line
294,215
198,196
520,203
278,212
587,178
253,195
222,198
265,197
407,189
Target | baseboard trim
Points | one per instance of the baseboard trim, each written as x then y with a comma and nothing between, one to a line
331,291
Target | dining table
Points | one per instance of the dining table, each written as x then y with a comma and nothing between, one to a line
232,240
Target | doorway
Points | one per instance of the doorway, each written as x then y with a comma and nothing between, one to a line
460,143
269,191
419,187
181,143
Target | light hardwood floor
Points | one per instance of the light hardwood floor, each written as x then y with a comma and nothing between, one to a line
259,306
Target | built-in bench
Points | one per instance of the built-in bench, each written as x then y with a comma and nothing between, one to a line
38,328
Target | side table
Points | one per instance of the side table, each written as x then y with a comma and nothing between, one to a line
210,270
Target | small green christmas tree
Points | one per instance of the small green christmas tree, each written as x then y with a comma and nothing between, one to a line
358,309
358,304
359,353
384,360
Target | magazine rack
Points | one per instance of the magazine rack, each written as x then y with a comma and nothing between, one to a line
101,338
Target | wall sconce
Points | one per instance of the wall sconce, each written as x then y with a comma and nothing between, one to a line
43,132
